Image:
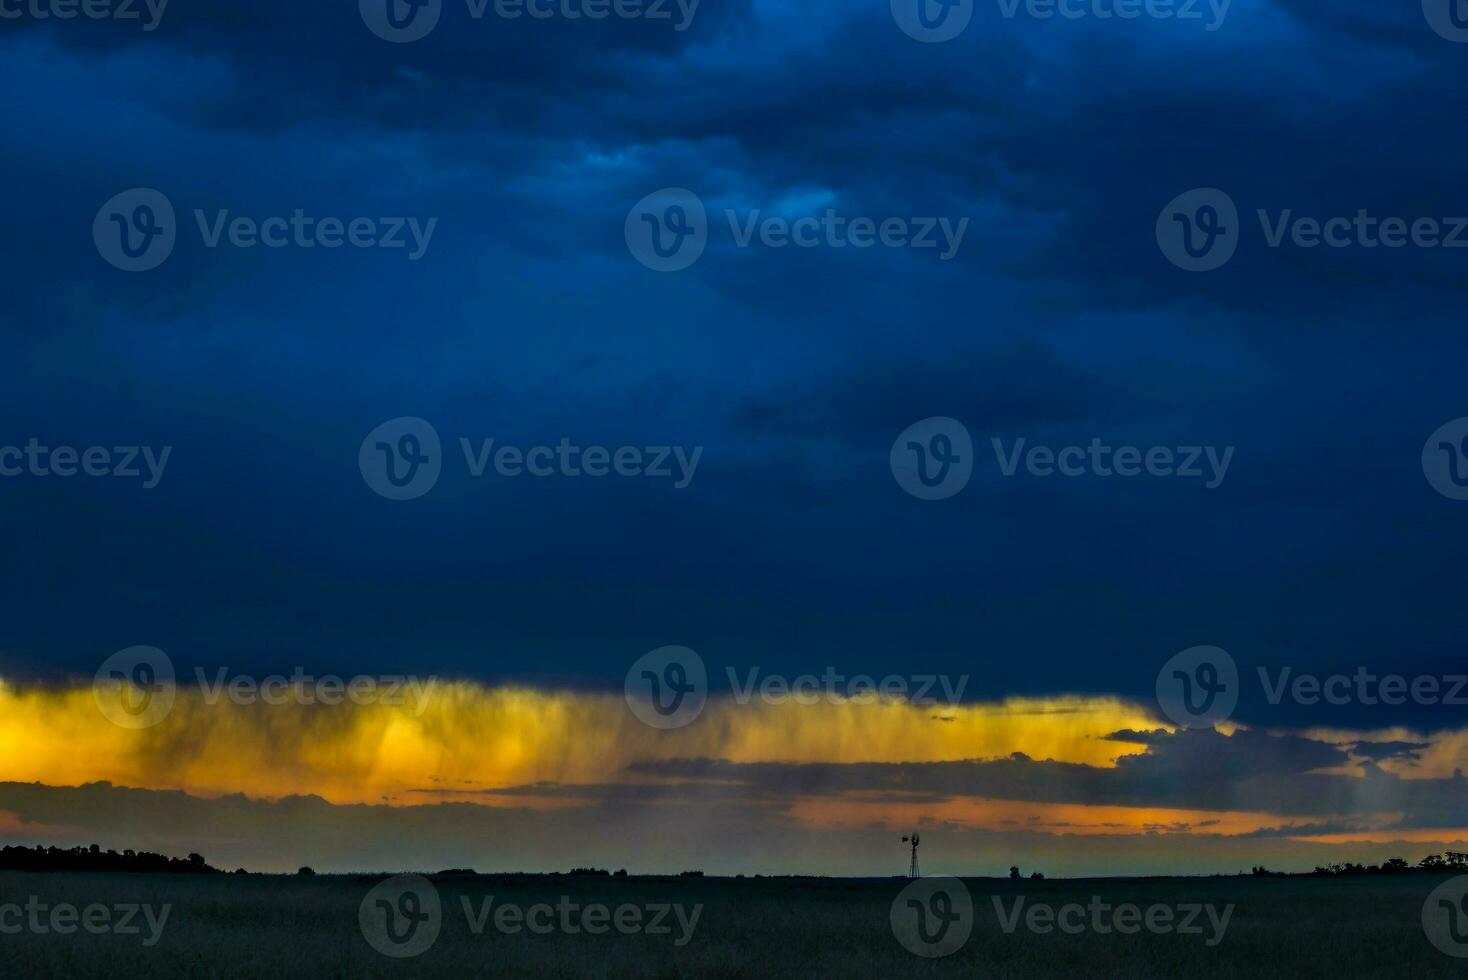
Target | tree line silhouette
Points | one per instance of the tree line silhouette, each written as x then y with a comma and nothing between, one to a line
1432,864
93,858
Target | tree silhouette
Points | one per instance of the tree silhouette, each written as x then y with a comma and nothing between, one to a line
93,858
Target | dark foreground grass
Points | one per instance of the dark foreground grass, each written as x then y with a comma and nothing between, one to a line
274,927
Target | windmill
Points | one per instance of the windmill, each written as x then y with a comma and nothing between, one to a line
913,870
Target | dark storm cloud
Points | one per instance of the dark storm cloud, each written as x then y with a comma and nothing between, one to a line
1305,829
1058,321
335,66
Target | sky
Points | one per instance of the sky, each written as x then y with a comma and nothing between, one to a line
317,494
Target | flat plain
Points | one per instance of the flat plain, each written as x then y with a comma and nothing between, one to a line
274,926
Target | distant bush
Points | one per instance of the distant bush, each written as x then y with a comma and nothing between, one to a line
590,873
306,872
690,874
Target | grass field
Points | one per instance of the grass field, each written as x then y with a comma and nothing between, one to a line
276,926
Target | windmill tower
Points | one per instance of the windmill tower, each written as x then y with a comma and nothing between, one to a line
912,871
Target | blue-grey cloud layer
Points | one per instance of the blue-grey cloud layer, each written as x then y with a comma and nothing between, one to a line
1059,321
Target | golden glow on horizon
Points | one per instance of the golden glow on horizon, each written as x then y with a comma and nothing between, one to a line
1015,816
470,737
465,738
